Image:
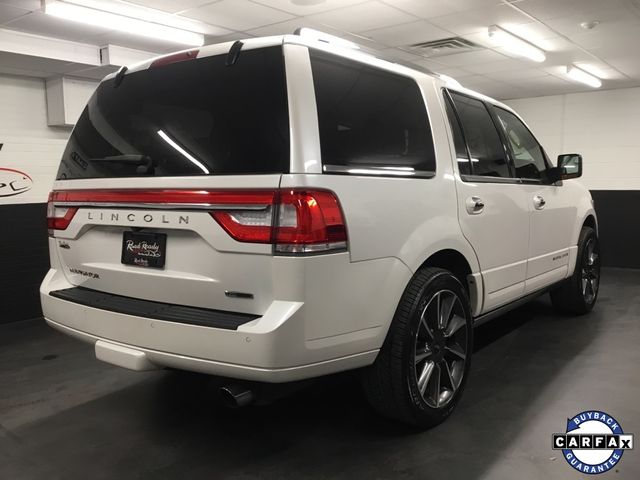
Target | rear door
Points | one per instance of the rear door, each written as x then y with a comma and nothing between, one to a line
492,205
154,159
552,212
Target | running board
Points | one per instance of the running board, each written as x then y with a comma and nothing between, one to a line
485,317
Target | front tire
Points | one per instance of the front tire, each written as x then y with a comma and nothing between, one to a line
579,293
421,370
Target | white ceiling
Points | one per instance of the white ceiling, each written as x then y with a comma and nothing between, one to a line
393,25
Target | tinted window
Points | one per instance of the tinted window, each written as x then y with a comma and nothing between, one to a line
528,156
458,139
488,157
369,117
195,117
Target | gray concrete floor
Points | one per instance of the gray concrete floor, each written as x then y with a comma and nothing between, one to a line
64,415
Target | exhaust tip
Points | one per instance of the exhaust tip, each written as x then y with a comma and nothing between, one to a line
236,396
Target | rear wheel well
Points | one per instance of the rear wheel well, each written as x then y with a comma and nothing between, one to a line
453,261
590,221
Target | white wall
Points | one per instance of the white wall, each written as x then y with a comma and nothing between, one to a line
66,99
30,146
604,126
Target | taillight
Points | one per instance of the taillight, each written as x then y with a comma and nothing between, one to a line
247,216
58,218
309,221
296,221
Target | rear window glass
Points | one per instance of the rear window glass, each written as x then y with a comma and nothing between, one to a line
196,117
369,117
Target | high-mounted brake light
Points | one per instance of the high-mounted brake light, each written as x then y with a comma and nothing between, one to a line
294,220
175,58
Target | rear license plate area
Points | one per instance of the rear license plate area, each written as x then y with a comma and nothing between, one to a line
144,249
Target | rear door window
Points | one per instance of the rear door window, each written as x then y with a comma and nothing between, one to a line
488,156
195,117
369,117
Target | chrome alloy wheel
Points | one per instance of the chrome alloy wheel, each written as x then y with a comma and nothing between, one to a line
590,275
440,348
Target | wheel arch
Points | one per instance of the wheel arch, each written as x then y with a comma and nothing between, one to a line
451,260
457,263
590,221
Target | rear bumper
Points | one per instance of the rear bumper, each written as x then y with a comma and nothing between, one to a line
275,347
328,315
139,358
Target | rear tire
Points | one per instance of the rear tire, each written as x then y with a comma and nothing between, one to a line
421,370
579,293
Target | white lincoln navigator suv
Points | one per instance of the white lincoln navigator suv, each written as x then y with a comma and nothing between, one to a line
283,208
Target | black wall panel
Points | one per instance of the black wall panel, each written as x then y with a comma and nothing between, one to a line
24,255
619,226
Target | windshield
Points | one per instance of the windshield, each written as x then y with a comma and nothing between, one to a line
196,117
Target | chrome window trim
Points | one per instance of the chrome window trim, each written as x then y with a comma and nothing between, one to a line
487,179
377,171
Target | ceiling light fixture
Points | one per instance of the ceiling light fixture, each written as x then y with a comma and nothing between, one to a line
123,23
579,75
594,70
516,45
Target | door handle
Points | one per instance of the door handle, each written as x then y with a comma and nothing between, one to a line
538,202
475,205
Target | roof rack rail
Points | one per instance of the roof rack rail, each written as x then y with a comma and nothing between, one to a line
323,37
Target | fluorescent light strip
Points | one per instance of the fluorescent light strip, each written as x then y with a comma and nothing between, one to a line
579,75
123,23
181,150
516,45
151,15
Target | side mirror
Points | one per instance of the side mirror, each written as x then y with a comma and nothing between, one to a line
569,166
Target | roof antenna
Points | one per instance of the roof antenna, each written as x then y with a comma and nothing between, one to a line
234,53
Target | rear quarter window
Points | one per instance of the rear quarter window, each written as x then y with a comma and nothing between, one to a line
370,118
